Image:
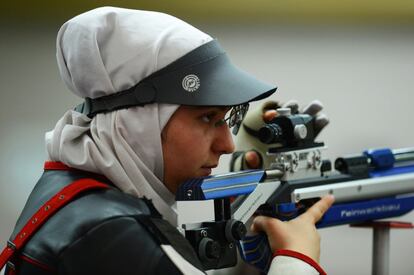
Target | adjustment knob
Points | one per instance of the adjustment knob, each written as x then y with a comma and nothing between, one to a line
209,249
300,131
235,230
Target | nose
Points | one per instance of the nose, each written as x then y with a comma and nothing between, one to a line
223,143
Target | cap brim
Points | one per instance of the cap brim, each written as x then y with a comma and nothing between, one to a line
203,77
213,82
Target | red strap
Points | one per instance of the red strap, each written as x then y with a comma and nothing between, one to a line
56,165
300,256
59,200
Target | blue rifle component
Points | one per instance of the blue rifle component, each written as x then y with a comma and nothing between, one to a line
381,159
360,211
221,186
355,212
256,251
394,171
287,209
383,163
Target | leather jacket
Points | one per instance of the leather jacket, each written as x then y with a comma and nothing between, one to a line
99,232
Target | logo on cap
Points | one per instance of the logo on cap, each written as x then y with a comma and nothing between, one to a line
191,83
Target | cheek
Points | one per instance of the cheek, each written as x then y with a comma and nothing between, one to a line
185,150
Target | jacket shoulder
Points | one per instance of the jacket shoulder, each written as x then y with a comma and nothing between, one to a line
87,211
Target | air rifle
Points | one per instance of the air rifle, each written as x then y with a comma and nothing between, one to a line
213,211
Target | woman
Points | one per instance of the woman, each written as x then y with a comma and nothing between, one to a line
156,94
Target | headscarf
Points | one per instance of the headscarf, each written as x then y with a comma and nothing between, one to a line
104,51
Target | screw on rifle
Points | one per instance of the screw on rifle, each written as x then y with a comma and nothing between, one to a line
231,245
203,233
189,193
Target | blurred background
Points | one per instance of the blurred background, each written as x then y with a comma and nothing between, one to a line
357,57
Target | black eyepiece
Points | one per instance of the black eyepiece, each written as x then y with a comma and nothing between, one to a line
270,133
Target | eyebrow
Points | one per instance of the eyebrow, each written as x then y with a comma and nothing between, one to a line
209,108
215,108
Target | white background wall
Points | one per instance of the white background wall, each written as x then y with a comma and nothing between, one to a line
363,75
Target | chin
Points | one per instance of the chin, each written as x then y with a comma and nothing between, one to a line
205,172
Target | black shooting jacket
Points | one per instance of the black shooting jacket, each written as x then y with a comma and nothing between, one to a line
99,232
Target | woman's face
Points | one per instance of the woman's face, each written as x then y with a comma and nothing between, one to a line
192,143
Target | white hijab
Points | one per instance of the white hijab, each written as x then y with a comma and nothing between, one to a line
105,51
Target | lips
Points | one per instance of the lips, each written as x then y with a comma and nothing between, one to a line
210,166
206,170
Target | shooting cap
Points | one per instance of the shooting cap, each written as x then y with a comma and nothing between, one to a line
118,58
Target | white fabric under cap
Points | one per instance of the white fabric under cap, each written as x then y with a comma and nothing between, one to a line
108,49
104,51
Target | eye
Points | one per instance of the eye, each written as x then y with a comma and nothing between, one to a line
207,118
